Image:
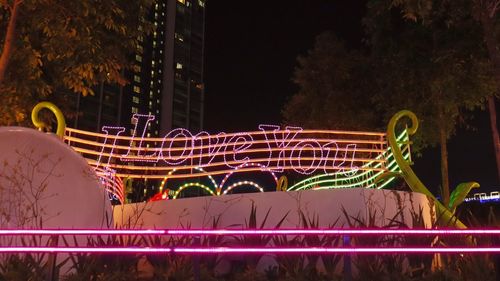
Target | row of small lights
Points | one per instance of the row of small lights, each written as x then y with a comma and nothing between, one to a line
484,197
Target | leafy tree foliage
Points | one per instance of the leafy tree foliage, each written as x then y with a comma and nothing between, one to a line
441,64
334,88
487,14
439,70
51,46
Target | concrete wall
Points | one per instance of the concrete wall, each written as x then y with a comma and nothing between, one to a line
234,210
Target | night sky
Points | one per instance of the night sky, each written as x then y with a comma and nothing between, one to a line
250,54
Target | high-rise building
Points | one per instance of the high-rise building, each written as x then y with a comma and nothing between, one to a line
167,81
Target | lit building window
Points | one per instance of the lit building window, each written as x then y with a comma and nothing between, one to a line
135,99
201,3
188,4
138,58
182,1
135,109
137,89
149,135
137,79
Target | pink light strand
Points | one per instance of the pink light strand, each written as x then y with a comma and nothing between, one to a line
82,232
226,250
334,232
249,232
299,250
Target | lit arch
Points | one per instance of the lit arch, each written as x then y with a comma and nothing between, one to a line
240,183
192,184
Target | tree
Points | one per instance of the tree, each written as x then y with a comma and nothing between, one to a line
435,69
487,15
333,89
51,46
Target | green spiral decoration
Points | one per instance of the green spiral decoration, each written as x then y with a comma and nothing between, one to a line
445,216
61,123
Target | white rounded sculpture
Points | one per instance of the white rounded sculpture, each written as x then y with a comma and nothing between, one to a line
44,183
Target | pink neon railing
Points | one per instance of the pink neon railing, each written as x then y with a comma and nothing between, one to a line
268,250
228,250
202,232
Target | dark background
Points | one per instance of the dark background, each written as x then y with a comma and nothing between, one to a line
250,53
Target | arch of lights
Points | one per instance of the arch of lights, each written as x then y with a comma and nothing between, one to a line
326,158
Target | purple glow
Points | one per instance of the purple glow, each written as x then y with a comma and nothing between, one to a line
225,250
82,250
82,232
249,231
333,231
299,250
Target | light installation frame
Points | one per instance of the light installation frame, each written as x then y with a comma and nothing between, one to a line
338,151
368,182
74,140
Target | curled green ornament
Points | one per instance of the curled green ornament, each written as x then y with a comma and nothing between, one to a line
445,216
61,123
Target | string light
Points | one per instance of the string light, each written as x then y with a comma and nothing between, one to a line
363,179
266,250
348,158
191,184
298,231
241,143
240,183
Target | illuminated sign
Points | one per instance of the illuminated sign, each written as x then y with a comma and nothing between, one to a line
342,158
273,148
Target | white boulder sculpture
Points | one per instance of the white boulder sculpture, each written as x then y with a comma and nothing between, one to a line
44,183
